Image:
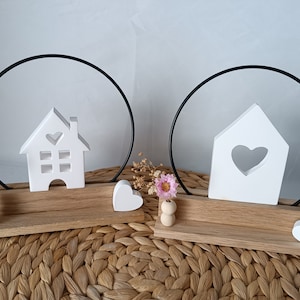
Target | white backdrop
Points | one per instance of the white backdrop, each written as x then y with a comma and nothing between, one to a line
157,51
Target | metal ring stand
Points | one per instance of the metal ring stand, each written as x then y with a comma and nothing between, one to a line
28,59
195,90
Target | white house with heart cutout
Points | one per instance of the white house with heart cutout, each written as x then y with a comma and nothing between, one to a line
253,137
55,150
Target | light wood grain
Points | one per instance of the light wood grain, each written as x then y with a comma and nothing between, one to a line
233,224
274,217
25,212
230,236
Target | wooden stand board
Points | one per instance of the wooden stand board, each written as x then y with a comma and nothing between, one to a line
234,224
25,212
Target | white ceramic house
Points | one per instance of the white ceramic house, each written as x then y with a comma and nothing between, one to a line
55,150
259,183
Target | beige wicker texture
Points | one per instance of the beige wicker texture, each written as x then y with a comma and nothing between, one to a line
125,261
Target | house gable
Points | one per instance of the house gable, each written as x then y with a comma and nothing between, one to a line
262,183
53,129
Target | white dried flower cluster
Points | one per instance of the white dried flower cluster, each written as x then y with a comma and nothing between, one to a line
145,174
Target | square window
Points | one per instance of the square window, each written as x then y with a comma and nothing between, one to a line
65,168
45,155
46,169
64,154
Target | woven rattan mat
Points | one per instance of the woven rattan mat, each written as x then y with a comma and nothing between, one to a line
125,261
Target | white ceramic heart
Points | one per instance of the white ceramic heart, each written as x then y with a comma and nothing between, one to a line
125,198
296,230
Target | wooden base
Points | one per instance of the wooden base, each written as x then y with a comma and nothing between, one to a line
233,224
25,212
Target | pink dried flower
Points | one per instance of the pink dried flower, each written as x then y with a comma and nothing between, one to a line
166,186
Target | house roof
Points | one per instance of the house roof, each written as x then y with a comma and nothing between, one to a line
53,117
255,122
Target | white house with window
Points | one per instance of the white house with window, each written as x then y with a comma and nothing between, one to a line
55,150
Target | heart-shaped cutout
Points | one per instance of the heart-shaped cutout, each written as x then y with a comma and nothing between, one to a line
125,198
54,138
248,160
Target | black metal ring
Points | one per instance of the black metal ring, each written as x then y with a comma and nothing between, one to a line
100,71
195,90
